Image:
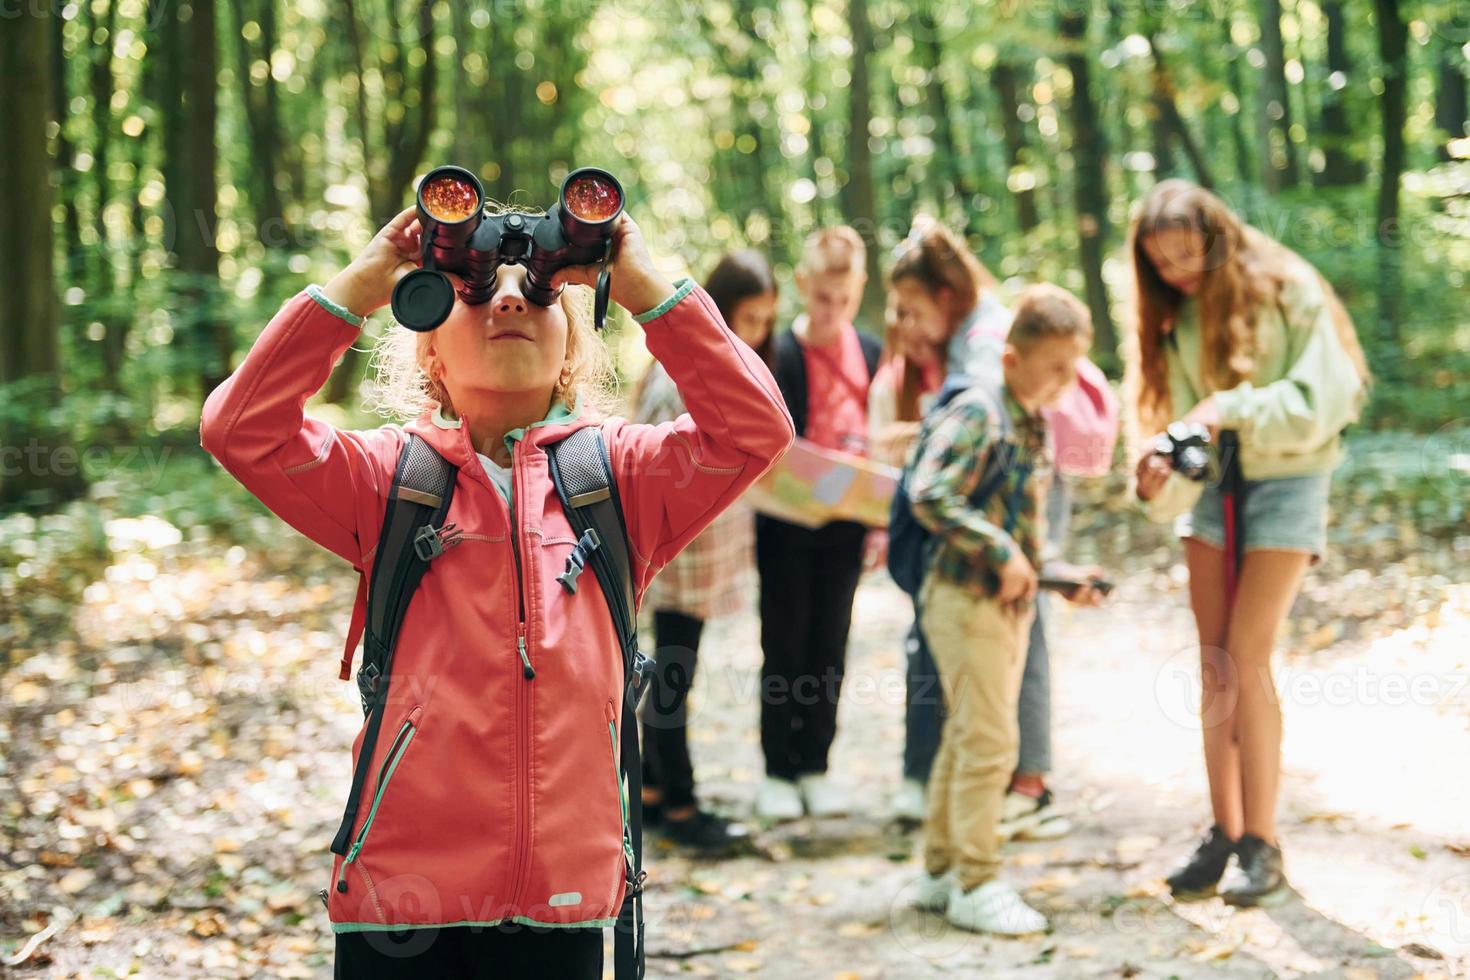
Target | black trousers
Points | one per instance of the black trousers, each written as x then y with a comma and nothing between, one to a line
470,952
666,763
807,582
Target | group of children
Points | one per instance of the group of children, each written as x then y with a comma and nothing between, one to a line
976,614
987,471
484,841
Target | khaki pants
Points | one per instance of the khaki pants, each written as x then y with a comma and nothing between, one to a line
979,646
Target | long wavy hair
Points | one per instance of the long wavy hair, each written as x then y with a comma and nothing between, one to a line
1244,274
935,258
403,389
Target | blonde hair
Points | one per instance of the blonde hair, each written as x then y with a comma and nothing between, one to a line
838,250
1044,311
404,390
1246,273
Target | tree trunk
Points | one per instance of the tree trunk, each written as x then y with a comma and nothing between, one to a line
71,243
37,466
1005,77
1244,169
1089,155
1171,122
1342,164
1280,168
1450,111
192,190
949,168
260,107
861,207
1393,56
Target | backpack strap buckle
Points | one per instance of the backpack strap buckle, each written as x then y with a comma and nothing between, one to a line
577,560
367,683
431,542
635,883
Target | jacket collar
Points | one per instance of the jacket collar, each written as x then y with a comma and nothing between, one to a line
451,437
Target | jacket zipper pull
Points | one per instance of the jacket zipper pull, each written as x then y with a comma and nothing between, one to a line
342,878
526,669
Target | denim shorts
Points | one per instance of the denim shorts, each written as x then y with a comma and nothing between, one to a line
1284,514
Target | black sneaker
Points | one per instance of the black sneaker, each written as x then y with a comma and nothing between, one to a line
705,831
1256,879
1200,875
653,814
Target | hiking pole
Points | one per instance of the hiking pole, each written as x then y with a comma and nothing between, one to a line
1232,501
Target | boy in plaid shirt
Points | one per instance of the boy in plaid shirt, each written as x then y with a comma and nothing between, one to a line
977,598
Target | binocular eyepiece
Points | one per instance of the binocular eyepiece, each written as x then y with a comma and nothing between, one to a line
1186,445
459,236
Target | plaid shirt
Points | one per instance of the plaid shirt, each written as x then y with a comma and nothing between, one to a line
947,464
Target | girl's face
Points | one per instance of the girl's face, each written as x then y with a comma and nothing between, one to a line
506,344
754,318
925,319
1178,256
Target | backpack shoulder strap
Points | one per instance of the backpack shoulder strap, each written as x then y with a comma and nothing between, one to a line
581,470
413,535
872,352
791,377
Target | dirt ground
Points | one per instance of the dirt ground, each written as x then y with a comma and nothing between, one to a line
169,782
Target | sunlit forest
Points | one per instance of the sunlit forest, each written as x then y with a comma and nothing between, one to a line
172,171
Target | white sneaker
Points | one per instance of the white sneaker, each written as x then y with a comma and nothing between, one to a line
931,892
993,907
1032,818
778,799
823,798
909,802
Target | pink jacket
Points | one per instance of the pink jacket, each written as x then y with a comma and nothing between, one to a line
495,797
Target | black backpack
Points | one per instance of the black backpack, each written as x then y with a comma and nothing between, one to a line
910,544
414,534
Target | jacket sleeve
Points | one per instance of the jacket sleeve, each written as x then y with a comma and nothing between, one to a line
1319,394
322,481
947,467
676,477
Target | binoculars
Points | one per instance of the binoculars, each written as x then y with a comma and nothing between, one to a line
1187,447
459,236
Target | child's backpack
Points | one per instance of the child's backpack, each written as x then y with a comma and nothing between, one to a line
910,544
414,534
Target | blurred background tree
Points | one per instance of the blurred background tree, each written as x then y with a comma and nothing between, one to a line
175,169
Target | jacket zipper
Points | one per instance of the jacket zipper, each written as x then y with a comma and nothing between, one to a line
385,775
523,791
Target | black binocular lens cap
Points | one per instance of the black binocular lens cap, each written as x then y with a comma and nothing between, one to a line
422,299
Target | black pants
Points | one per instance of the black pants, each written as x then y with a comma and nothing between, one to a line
808,579
666,764
470,953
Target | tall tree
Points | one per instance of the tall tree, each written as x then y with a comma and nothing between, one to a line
1279,169
394,139
1393,38
260,105
29,356
1089,156
1342,163
1450,110
858,194
1169,122
1005,76
191,52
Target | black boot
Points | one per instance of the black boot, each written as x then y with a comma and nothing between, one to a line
1257,878
705,832
1201,873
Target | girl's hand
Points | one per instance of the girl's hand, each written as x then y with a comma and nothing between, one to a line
366,285
1207,414
1153,472
637,285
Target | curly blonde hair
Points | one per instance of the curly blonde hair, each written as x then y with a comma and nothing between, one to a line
403,389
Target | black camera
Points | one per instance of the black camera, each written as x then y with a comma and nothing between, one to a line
1186,445
459,236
